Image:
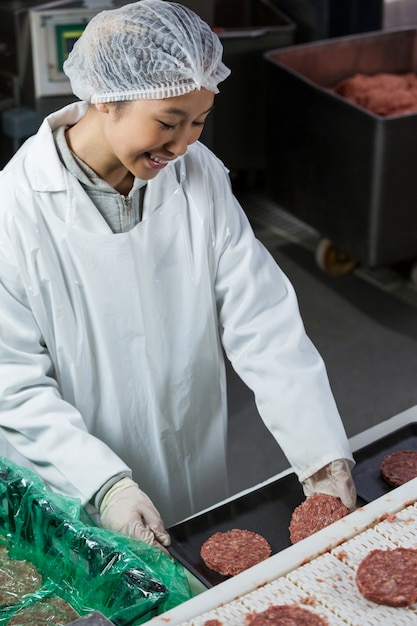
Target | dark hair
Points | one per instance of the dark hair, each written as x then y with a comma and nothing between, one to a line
119,106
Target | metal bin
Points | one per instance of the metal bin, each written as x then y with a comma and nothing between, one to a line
348,173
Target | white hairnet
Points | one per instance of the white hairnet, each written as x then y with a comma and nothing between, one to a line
149,49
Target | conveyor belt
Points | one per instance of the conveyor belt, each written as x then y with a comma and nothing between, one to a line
319,572
326,584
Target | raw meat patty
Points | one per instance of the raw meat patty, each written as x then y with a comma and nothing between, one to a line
399,467
287,615
233,551
315,513
389,577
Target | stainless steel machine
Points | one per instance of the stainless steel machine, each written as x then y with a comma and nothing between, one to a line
35,38
24,53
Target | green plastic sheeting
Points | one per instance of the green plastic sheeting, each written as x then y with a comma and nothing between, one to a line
91,568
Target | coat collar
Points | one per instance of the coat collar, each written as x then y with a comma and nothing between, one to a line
47,173
41,161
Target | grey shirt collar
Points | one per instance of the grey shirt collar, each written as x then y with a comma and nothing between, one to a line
122,213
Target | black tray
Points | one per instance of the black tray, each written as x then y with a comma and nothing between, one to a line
367,476
266,511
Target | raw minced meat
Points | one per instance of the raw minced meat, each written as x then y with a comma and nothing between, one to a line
316,512
399,467
384,94
17,578
389,577
234,551
47,611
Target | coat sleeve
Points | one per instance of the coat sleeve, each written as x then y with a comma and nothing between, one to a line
264,337
38,429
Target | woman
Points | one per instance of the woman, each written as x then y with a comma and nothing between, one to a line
126,267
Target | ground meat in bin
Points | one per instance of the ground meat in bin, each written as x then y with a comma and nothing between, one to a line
287,615
316,512
47,611
17,578
389,577
384,94
399,467
234,551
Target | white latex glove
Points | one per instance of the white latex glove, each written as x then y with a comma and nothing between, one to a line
334,479
127,510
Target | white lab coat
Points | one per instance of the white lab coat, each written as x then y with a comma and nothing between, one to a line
111,344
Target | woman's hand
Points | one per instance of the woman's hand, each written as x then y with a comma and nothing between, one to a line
128,510
334,479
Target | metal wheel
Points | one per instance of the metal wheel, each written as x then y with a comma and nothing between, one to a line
332,260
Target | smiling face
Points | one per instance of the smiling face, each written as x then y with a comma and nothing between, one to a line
138,138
